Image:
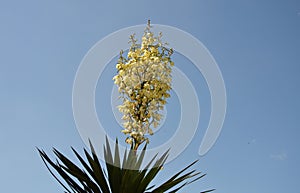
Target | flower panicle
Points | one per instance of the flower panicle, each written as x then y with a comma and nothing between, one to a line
144,81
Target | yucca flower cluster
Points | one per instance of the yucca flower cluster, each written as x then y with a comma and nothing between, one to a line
144,81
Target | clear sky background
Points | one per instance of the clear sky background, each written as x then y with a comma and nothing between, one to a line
255,43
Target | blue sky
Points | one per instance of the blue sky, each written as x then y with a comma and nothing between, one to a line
255,43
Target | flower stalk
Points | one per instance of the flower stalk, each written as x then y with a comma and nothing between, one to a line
144,81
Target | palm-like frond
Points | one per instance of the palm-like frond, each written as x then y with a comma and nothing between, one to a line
118,176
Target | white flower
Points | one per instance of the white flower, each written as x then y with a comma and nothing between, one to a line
144,81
